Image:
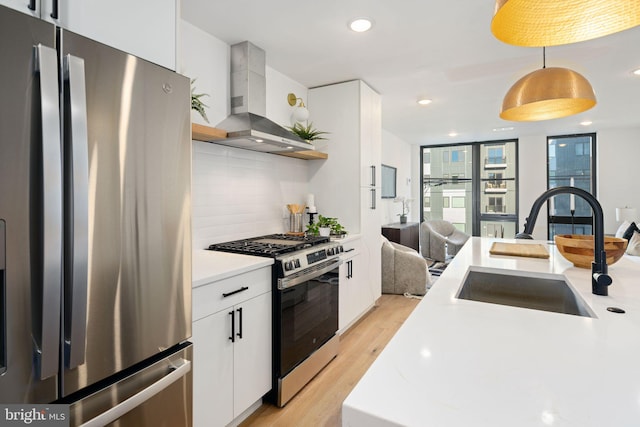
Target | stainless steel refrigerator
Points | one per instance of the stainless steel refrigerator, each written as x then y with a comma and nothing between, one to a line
95,267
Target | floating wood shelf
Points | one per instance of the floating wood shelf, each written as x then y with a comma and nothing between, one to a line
210,134
206,133
307,155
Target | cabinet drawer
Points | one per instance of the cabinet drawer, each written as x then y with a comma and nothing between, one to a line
209,299
351,249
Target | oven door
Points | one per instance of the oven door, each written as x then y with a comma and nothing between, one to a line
306,313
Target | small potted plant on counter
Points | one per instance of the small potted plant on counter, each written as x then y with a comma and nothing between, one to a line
326,226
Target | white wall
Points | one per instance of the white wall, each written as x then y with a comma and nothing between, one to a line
618,172
397,153
237,193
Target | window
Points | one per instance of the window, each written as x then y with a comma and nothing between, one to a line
462,177
457,156
495,155
570,156
496,205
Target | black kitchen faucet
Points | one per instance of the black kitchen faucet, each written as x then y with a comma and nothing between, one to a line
600,279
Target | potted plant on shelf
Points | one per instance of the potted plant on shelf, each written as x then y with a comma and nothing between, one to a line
405,208
308,133
196,102
326,226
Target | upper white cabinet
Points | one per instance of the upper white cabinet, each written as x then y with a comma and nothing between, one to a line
31,7
144,28
347,184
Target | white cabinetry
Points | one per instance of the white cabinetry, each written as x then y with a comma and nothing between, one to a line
144,28
232,346
346,185
355,296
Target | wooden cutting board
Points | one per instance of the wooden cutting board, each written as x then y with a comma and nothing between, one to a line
519,249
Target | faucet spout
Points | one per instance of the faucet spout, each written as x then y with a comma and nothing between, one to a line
600,278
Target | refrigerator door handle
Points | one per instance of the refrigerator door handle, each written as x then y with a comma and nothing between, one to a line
181,369
47,70
76,184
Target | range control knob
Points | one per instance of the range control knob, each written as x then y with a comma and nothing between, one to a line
340,249
288,265
331,251
296,263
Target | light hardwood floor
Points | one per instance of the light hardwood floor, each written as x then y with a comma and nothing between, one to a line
319,403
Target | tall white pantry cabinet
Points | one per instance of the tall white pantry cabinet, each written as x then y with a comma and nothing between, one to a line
144,28
347,184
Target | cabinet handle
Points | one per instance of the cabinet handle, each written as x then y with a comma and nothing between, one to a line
54,9
373,198
240,326
350,269
242,289
32,4
233,327
373,175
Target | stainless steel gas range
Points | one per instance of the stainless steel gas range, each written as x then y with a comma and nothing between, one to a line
305,305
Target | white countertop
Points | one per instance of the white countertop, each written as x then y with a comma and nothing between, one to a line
465,363
211,266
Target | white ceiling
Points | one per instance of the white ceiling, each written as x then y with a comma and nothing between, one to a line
443,50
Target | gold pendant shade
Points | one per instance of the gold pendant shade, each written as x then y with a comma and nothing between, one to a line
548,93
538,23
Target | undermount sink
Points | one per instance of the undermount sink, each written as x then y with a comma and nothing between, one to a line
539,293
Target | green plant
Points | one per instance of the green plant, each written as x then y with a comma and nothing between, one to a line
308,133
326,222
196,102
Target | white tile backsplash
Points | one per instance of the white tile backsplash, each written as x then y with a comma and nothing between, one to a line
240,193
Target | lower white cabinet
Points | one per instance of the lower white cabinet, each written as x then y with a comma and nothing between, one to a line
355,297
232,348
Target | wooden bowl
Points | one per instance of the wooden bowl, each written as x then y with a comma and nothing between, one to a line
578,248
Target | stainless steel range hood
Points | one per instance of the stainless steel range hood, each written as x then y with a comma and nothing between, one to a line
246,126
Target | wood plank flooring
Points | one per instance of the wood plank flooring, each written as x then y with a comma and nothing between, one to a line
319,403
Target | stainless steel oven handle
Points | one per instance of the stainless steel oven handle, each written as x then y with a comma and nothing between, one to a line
319,270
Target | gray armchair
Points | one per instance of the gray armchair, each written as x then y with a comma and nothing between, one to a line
439,239
403,270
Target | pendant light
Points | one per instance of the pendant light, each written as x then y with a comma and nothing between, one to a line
538,23
548,93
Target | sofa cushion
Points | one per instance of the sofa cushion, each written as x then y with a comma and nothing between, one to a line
623,227
630,230
634,244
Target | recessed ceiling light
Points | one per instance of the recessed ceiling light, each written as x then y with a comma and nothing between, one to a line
424,101
636,72
586,123
360,25
504,129
452,134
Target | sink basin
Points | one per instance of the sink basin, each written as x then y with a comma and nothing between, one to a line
547,293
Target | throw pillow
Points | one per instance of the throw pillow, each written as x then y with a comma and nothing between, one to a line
634,244
628,234
623,227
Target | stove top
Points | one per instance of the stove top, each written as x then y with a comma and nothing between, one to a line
270,245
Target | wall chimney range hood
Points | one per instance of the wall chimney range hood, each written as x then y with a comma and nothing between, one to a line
246,126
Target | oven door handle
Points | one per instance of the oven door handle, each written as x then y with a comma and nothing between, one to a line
288,282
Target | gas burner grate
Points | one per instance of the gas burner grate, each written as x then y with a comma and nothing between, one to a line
269,246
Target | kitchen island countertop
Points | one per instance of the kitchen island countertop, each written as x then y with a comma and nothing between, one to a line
211,266
463,363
